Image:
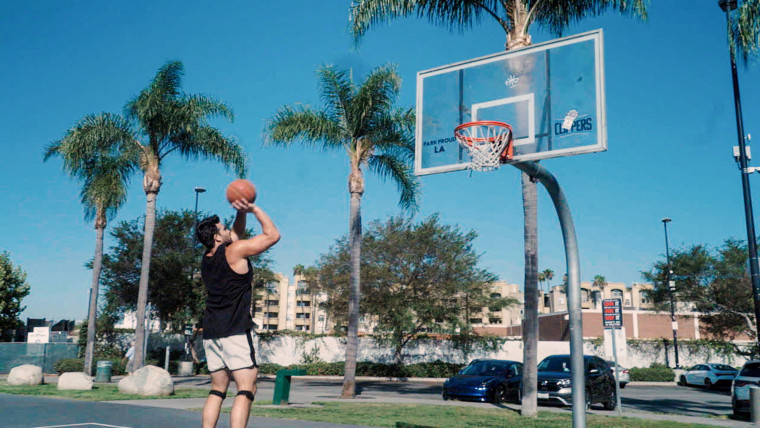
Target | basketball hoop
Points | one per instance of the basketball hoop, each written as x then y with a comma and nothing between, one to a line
488,142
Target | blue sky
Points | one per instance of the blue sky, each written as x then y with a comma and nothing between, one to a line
671,127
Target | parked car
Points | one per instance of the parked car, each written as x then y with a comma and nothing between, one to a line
749,376
555,383
496,381
622,372
708,375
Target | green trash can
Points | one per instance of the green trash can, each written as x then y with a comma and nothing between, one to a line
103,373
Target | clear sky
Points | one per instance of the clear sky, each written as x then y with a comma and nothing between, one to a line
670,114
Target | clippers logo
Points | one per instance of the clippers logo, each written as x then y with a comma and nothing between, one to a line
581,125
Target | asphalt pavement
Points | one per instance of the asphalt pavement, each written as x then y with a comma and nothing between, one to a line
669,403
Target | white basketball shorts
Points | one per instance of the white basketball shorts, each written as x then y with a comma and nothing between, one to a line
231,352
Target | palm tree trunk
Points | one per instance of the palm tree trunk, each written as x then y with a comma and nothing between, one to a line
530,321
142,292
356,188
97,264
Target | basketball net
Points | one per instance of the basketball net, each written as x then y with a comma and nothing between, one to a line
489,143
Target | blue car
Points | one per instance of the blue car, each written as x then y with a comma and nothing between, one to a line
495,381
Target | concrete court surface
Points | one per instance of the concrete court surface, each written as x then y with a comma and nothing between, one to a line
19,411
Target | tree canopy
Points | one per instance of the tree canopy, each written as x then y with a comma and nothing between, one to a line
715,282
416,277
13,289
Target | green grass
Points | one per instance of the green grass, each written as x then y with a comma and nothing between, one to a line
387,415
97,393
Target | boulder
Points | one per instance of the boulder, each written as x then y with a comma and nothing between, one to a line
75,380
26,374
149,380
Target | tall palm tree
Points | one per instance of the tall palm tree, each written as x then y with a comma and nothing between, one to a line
362,121
516,18
548,275
171,121
599,281
541,277
745,28
99,151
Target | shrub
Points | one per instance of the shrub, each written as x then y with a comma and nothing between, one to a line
77,365
67,365
268,368
654,374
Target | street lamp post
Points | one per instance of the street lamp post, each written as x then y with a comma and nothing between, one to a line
198,190
671,289
727,6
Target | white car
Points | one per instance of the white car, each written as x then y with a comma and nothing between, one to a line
622,372
708,375
748,377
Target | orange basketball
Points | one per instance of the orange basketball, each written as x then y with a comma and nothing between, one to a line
241,189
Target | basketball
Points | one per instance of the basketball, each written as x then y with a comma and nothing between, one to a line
241,189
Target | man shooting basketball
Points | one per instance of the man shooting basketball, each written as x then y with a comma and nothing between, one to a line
227,337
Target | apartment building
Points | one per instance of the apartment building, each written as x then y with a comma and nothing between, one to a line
286,305
637,296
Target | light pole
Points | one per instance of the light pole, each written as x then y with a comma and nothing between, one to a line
671,289
727,6
198,190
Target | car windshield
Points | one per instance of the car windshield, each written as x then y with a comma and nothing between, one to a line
723,367
555,364
486,368
751,370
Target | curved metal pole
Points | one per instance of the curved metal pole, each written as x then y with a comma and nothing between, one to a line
537,172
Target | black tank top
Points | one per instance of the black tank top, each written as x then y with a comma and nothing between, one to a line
228,303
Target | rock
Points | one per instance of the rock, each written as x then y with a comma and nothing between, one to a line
149,380
26,374
75,380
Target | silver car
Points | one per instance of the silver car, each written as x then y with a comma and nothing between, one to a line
748,377
622,372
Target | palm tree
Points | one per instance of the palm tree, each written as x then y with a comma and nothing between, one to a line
599,281
541,277
361,121
99,151
515,17
171,121
549,275
745,29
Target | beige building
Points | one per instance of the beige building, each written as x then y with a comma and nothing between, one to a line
635,297
286,305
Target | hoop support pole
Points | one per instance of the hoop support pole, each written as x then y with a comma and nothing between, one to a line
577,373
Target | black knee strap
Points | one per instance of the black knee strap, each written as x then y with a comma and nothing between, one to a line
248,394
219,394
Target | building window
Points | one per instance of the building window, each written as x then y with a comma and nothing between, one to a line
584,295
321,318
271,326
617,294
561,300
272,314
494,320
627,302
303,303
644,296
302,316
272,287
495,296
272,302
476,320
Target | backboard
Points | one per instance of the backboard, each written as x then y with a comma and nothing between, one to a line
552,94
